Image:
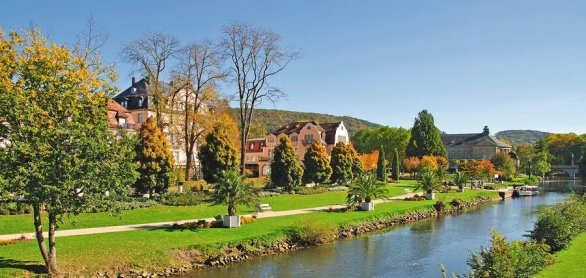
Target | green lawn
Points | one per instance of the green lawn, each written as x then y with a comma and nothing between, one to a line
14,224
157,248
569,263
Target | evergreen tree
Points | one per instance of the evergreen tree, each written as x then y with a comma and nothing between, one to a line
583,165
425,137
317,164
286,171
396,164
357,166
341,163
217,155
156,161
381,167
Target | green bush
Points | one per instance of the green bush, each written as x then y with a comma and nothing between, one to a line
313,232
559,224
311,190
182,199
123,203
503,259
14,208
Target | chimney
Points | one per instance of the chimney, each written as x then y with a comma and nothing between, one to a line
133,81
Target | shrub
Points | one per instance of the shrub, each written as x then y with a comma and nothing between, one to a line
311,190
247,220
439,206
503,259
182,199
14,208
121,203
313,232
557,225
4,242
415,197
456,202
199,224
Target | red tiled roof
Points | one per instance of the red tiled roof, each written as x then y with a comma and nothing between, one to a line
256,145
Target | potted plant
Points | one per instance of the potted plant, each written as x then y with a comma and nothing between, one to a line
428,181
364,190
460,179
232,190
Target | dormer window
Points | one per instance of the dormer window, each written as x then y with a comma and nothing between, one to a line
125,103
251,146
140,102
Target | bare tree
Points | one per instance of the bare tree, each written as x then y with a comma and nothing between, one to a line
89,42
151,53
254,55
199,69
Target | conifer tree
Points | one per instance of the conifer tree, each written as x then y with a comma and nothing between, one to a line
381,166
286,170
155,159
217,155
341,163
396,164
357,166
317,164
425,137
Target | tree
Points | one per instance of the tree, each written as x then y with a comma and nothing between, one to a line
428,180
396,172
255,56
151,53
460,179
381,166
368,140
525,152
217,155
561,147
411,164
199,69
504,163
341,162
583,165
540,161
357,166
57,151
286,171
425,137
366,187
369,160
155,159
317,164
232,190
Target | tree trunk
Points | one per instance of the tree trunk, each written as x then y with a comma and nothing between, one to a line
52,262
242,150
188,162
232,210
39,232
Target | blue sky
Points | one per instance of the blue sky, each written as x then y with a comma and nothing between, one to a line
505,64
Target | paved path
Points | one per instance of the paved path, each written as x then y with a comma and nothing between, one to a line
159,225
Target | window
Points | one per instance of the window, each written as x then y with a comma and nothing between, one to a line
248,158
308,138
251,146
139,102
139,118
125,103
271,139
266,170
294,138
122,122
271,153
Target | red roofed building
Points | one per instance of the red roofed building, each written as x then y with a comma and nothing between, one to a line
119,117
259,151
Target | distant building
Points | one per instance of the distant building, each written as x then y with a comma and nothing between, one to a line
259,151
474,146
137,101
120,118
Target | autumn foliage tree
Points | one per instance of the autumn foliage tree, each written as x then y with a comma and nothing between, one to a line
369,160
57,150
411,164
505,164
317,164
217,154
155,159
286,170
478,169
357,166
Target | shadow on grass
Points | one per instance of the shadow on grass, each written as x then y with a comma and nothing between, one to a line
30,266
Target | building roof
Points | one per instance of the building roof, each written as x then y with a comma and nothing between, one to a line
467,139
115,112
255,145
331,129
294,127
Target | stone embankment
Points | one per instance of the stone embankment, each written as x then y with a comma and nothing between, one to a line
245,251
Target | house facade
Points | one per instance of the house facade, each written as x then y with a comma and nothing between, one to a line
474,146
259,151
120,118
137,102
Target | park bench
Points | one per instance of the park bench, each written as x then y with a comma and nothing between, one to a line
264,207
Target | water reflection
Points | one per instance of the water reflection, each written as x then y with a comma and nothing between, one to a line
413,250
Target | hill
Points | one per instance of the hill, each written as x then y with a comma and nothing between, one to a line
269,119
517,137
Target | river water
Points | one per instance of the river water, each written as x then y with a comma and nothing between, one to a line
412,250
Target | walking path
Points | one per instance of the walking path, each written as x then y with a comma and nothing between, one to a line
158,225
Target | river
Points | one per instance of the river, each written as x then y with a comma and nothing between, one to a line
412,250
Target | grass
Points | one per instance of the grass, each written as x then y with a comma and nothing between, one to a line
158,248
568,262
14,224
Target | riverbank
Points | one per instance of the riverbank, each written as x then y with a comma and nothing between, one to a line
166,251
569,263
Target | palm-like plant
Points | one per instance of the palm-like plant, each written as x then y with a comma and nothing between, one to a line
460,179
366,188
428,180
232,190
